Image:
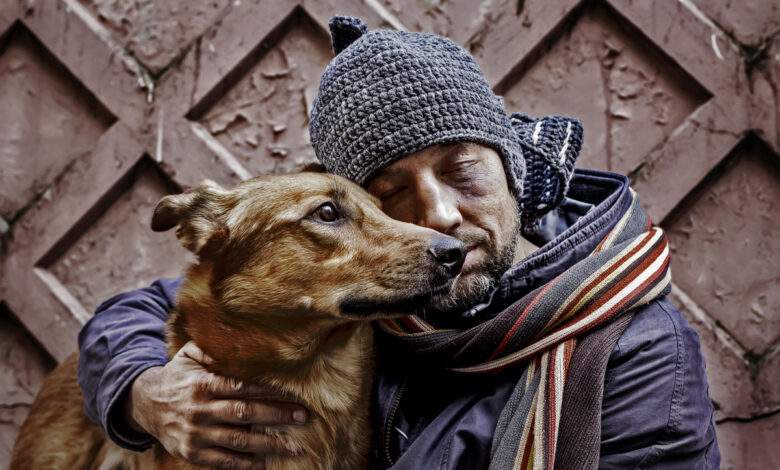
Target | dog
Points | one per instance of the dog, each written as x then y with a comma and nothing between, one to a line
290,271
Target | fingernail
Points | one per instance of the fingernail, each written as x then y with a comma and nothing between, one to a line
295,449
237,384
299,416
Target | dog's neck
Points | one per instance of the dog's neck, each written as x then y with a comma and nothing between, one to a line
261,345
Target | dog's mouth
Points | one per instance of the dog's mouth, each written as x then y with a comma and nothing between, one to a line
356,306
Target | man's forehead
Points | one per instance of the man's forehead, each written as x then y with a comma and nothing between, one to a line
428,155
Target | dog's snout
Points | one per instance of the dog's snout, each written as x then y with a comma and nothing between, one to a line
449,253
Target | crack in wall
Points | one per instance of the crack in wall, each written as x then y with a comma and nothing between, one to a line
751,418
145,80
605,71
755,56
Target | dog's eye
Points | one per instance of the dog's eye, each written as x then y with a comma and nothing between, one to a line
327,213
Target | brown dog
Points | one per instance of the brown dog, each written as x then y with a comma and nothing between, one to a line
290,271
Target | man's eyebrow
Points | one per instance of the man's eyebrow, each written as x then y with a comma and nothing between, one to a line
388,171
455,148
447,151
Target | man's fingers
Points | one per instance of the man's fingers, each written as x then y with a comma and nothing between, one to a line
226,460
227,387
267,413
242,439
192,351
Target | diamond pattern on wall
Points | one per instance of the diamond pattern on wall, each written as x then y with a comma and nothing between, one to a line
456,19
627,93
48,120
23,366
749,445
729,374
156,32
725,242
767,383
262,120
749,21
119,251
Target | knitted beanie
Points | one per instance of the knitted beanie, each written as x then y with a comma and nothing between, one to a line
550,145
389,93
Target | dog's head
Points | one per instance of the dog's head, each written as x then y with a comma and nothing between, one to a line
308,244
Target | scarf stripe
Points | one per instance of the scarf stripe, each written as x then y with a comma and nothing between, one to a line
609,240
627,269
522,459
597,281
511,333
540,436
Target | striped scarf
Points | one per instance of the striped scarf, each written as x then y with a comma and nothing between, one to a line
628,268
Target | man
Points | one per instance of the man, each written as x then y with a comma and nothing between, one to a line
567,355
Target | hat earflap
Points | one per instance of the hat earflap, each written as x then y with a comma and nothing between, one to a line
550,146
344,30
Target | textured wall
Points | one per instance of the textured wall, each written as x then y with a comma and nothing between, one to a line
110,104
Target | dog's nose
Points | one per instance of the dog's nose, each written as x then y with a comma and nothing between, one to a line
449,253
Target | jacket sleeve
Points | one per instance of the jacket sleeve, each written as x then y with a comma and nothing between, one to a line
125,337
656,411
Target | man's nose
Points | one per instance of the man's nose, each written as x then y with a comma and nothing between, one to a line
437,208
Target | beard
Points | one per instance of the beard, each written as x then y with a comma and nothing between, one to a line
471,288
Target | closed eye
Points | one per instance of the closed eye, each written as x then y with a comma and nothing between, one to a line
461,172
461,166
389,194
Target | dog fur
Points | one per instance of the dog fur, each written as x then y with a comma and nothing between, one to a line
280,297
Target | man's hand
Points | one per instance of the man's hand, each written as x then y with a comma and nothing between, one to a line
207,419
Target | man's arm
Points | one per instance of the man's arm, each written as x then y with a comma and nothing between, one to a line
656,411
137,395
125,337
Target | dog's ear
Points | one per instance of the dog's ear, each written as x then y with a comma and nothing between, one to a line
198,216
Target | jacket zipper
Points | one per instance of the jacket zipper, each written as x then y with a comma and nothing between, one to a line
389,421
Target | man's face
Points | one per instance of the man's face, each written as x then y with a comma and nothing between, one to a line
461,190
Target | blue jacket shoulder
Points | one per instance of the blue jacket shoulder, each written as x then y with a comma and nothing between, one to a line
656,409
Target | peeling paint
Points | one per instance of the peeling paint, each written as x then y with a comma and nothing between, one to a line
714,41
736,216
262,121
130,63
150,32
629,97
46,113
119,252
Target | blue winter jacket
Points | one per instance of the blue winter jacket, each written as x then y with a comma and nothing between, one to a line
656,412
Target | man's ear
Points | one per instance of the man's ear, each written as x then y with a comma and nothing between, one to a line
198,216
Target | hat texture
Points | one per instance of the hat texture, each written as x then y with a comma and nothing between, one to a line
550,146
390,93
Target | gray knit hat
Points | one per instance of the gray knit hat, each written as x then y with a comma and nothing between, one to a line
390,93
